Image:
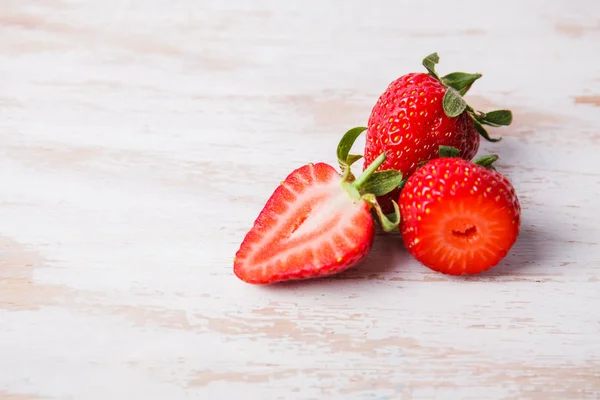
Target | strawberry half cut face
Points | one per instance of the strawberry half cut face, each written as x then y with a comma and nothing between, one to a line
310,227
318,222
459,217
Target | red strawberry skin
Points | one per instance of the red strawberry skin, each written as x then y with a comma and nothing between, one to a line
309,227
458,217
408,121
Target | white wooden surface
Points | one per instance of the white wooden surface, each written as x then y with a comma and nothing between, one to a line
139,139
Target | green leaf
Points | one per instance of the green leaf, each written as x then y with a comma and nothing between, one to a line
486,161
461,81
352,158
382,182
453,103
449,151
388,225
429,63
497,118
481,130
346,143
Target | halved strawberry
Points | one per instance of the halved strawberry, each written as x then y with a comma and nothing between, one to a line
318,222
459,217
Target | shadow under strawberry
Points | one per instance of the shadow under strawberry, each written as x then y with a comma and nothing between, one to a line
535,248
387,257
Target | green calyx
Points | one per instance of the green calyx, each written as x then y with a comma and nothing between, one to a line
453,103
484,161
487,161
449,151
389,222
345,159
371,183
458,84
459,81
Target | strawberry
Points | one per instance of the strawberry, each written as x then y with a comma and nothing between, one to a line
419,112
318,222
459,217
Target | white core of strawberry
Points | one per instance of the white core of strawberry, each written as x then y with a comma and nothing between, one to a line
334,206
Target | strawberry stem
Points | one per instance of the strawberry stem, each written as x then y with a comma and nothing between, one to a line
370,170
370,183
458,84
373,184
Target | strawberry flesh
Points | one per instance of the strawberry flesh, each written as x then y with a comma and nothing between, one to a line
310,227
458,217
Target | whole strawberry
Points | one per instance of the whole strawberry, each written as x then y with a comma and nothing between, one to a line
418,113
459,217
317,222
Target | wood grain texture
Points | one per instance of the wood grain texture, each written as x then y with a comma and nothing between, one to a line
139,139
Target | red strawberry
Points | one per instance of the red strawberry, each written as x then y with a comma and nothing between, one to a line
317,222
459,217
418,112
